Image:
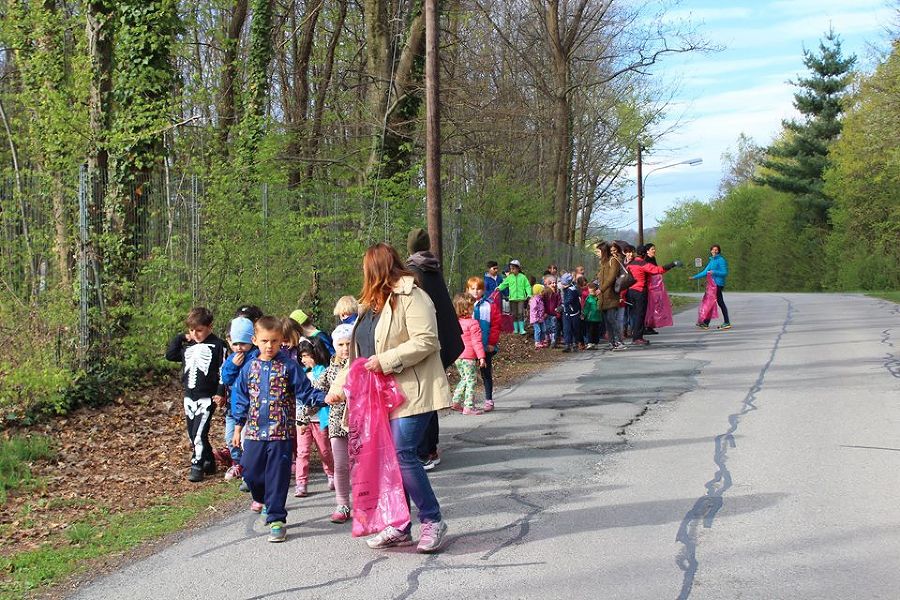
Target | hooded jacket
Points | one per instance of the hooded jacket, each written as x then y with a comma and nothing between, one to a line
430,280
518,285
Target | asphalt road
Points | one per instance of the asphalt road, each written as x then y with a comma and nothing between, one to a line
761,462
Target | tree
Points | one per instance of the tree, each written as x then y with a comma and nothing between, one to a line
740,164
796,164
864,181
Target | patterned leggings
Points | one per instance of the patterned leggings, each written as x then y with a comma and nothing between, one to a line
465,389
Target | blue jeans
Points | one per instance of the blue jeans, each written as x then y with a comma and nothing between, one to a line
551,328
539,332
229,433
408,433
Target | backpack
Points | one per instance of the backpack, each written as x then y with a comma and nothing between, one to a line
624,280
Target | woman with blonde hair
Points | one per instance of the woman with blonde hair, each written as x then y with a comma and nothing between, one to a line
397,332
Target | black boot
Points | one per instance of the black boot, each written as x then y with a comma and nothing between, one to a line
209,467
196,474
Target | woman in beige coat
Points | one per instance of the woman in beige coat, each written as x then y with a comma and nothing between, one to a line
397,332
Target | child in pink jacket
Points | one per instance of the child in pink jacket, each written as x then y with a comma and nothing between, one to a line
472,357
537,315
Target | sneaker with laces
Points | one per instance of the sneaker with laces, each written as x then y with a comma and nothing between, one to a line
427,463
277,532
256,507
471,410
724,326
234,472
703,325
389,537
341,514
432,537
300,491
488,405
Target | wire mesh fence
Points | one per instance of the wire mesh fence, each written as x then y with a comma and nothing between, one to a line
190,243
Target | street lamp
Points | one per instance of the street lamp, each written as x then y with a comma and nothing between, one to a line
641,180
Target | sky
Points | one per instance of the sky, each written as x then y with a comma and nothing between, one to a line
744,88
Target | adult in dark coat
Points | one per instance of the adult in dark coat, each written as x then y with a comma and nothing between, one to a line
430,279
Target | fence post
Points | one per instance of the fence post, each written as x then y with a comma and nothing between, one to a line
84,325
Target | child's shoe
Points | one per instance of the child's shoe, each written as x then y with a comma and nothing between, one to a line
341,514
331,483
724,326
471,410
456,406
567,348
256,507
209,467
244,487
277,533
538,345
234,472
300,491
196,474
488,405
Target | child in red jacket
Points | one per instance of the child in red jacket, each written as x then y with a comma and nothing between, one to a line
488,314
472,356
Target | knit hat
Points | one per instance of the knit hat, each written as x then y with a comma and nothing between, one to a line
299,316
537,289
566,279
241,331
418,241
342,332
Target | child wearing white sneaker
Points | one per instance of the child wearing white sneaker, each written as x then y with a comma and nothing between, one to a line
472,356
337,425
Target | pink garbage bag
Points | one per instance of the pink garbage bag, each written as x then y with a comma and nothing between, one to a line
659,307
378,496
708,308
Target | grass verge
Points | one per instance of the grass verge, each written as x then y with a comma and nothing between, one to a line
16,454
103,534
679,302
893,296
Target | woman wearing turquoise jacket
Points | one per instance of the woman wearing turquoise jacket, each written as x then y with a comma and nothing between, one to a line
718,267
519,292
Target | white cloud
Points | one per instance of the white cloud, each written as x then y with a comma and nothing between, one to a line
806,29
709,15
807,7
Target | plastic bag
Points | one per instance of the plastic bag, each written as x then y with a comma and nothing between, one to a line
378,496
659,307
709,309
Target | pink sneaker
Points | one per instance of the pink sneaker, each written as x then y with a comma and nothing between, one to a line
234,472
488,405
256,507
471,410
456,406
300,491
341,514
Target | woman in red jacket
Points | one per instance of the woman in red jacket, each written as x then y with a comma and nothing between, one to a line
641,270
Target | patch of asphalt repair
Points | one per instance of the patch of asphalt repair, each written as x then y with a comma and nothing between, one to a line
707,506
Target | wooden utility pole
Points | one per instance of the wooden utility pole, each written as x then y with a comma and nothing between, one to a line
433,131
640,197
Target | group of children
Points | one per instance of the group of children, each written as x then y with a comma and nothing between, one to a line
273,375
272,386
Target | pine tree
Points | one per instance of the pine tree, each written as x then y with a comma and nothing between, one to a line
796,163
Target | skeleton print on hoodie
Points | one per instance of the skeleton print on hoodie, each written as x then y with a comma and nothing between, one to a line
200,365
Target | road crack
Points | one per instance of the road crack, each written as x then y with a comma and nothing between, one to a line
707,506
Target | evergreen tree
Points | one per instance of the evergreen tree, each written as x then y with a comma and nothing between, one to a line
796,163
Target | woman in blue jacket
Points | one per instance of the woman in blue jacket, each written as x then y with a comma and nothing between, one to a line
718,266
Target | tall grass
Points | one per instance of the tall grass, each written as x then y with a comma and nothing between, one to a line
16,455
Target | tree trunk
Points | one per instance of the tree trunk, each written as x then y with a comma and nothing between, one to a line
433,131
322,91
297,127
227,106
100,40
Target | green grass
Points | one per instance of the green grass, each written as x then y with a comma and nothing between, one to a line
893,296
680,302
100,535
15,455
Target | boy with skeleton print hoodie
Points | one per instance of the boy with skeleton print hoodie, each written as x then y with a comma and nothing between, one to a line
201,354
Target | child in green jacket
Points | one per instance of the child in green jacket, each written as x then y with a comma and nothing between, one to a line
519,292
593,317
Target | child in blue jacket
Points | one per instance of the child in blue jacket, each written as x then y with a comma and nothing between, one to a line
264,403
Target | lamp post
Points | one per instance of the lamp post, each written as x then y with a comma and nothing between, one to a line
641,182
